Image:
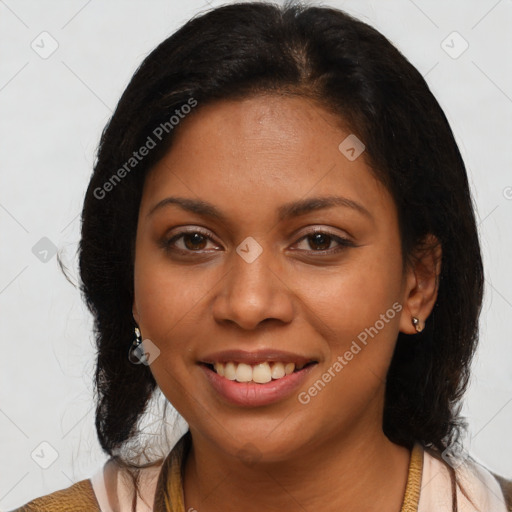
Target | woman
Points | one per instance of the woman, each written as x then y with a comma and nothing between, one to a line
279,231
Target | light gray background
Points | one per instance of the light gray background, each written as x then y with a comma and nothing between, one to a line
52,111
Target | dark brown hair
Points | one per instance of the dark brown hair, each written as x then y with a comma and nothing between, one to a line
353,71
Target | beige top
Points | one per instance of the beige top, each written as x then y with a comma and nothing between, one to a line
119,498
428,488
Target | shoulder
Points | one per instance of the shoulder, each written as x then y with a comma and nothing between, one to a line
477,487
117,489
79,497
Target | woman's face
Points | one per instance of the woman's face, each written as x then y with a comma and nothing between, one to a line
275,277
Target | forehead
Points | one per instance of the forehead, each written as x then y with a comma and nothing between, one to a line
270,121
265,149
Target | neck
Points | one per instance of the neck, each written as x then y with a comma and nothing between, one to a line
359,471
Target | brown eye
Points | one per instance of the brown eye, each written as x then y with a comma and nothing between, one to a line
193,240
320,241
186,242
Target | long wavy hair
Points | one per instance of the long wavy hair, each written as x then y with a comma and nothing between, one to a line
237,51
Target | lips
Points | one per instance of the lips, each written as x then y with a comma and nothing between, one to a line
255,378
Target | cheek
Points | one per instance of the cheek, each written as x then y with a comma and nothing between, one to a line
168,299
349,299
358,314
168,302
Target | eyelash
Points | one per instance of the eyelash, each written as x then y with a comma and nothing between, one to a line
343,242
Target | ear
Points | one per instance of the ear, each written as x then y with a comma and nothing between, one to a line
421,284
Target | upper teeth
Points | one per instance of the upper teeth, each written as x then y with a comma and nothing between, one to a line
260,373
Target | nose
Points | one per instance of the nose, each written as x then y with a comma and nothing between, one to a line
251,293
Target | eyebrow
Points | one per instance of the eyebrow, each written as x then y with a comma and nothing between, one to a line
284,212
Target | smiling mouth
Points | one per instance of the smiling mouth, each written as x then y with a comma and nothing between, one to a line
260,373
